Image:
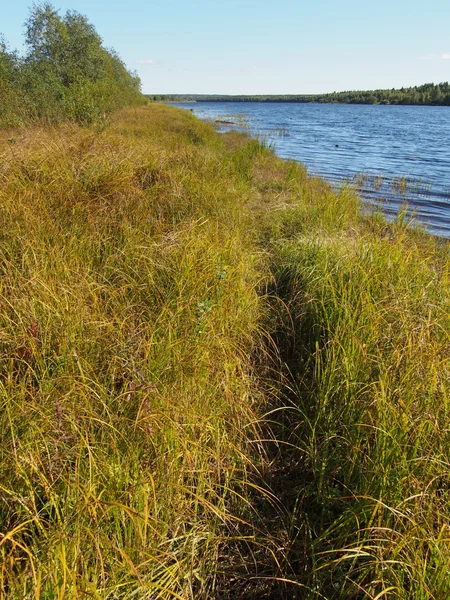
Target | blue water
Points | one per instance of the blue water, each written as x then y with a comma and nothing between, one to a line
392,154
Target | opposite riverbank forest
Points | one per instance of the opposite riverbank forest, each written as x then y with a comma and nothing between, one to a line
430,94
218,378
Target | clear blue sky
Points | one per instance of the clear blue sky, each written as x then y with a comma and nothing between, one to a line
266,47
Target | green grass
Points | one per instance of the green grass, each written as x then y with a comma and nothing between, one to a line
368,326
217,379
128,314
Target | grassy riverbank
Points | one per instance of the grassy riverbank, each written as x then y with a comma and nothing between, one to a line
217,379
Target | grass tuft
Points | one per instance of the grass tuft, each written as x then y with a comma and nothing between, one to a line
217,378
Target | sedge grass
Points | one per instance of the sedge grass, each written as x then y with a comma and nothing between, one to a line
371,314
128,315
162,287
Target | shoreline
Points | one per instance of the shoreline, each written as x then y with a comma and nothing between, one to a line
392,192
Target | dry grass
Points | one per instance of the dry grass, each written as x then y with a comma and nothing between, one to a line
128,314
148,270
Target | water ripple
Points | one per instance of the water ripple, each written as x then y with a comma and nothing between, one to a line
404,149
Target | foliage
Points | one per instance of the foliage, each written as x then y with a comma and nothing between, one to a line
65,74
429,94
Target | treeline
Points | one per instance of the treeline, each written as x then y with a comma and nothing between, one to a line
66,72
428,94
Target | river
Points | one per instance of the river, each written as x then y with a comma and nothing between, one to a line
392,154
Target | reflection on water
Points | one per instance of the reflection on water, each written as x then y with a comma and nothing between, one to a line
392,154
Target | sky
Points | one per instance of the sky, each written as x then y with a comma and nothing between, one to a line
262,46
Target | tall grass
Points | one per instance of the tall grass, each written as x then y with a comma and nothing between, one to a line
369,371
217,379
128,315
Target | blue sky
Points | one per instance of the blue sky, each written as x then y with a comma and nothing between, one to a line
266,47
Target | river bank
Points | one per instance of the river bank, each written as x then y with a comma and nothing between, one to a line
218,378
392,156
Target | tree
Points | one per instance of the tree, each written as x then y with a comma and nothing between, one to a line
67,71
68,48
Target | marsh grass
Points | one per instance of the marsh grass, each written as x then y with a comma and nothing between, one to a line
369,327
128,315
399,186
217,379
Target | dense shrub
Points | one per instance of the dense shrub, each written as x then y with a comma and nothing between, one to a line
66,72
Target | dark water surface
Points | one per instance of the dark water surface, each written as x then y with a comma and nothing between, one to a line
392,154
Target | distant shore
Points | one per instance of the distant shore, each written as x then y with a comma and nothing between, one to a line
429,94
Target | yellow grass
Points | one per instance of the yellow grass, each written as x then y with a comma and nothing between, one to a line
217,380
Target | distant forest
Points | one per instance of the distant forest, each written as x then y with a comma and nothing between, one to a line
428,94
66,72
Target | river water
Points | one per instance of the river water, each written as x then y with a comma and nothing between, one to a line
392,154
